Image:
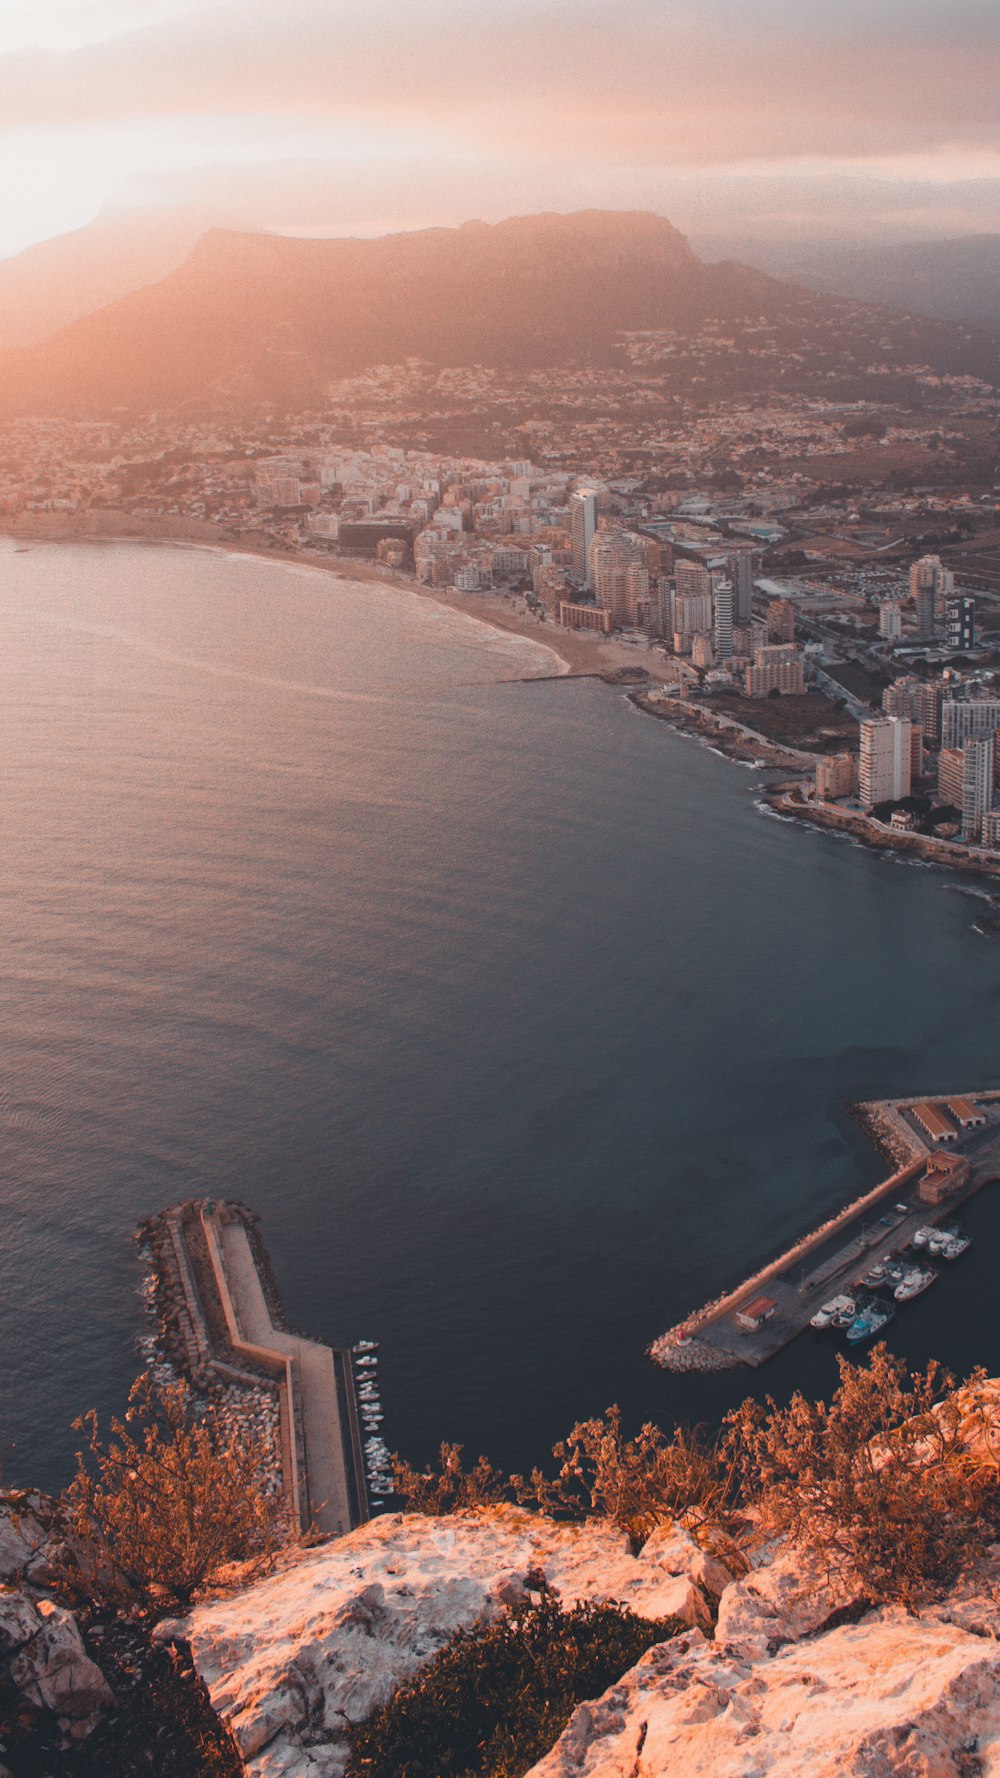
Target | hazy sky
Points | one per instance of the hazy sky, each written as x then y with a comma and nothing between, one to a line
867,117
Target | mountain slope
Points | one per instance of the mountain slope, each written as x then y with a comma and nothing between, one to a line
951,280
57,282
252,318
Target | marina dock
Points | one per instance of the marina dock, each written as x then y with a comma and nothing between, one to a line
944,1150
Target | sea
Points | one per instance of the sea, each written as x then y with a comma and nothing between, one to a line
518,1021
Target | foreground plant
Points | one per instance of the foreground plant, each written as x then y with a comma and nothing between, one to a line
891,1485
497,1697
156,1511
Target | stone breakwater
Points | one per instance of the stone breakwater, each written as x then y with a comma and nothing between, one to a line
242,1401
220,1327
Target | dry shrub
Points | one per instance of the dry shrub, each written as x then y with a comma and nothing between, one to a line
887,1485
155,1513
451,1488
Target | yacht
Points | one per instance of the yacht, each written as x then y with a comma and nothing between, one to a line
365,1346
869,1322
921,1236
914,1282
826,1316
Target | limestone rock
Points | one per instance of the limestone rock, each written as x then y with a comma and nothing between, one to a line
26,1521
54,1672
890,1695
330,1635
781,1602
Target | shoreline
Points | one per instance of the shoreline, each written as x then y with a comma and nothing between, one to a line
577,654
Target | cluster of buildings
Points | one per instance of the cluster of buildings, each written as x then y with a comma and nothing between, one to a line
936,738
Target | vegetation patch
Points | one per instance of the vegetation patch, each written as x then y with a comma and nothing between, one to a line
497,1698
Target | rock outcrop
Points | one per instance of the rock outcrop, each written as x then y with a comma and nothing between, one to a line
780,1674
326,1639
44,1661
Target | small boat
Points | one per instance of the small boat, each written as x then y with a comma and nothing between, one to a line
826,1316
869,1322
921,1236
365,1346
876,1275
915,1281
955,1247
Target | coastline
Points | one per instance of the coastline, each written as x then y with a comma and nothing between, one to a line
577,653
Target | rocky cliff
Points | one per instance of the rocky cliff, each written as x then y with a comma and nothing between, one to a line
794,1677
779,1672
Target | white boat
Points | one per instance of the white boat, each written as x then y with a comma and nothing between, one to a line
827,1315
365,1346
954,1247
921,1236
915,1281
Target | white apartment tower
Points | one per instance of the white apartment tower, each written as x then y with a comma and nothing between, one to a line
978,766
930,584
583,524
723,621
884,765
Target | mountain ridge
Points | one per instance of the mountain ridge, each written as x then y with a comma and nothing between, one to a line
263,318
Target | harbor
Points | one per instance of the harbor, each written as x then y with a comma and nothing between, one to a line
866,1261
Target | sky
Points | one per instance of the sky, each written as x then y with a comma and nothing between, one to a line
868,119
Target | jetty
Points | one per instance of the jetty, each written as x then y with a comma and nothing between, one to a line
222,1327
942,1148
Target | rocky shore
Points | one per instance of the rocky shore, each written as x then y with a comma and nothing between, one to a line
789,802
244,1404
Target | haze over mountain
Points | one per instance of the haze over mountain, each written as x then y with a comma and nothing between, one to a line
953,280
57,281
251,317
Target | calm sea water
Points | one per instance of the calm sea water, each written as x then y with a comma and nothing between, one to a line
520,1026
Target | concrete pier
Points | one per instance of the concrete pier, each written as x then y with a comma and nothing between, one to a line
224,1329
752,1322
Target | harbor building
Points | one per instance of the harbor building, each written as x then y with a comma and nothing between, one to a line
884,763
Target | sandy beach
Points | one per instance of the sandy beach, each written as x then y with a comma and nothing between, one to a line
577,653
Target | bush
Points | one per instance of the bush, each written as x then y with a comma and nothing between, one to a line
497,1697
155,1513
884,1485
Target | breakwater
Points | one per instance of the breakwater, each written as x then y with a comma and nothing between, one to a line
786,1292
221,1326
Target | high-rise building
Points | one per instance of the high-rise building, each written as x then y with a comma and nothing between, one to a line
968,719
613,554
919,699
583,524
781,620
723,627
775,669
960,623
951,765
884,763
691,578
930,584
890,620
741,571
978,768
692,613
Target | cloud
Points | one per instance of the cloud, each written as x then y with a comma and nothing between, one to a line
648,82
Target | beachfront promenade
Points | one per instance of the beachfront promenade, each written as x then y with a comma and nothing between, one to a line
223,1327
763,1313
